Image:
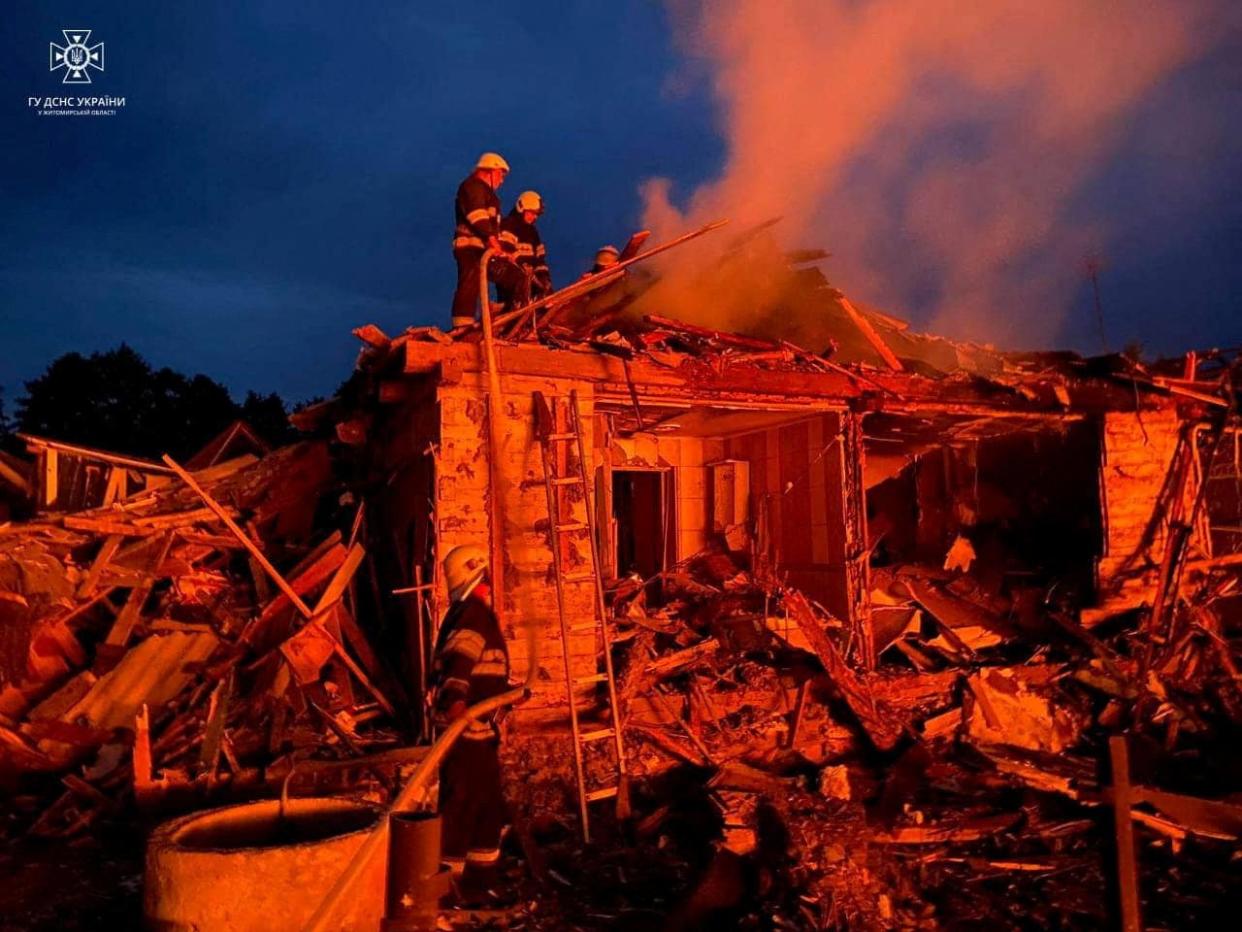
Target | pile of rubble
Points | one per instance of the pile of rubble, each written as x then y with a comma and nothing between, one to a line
969,778
192,642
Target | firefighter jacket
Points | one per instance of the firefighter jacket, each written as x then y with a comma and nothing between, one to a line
478,214
522,241
471,661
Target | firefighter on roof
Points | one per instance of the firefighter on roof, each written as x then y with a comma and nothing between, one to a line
471,664
520,238
606,258
478,228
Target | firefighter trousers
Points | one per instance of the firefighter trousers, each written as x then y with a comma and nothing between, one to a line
508,277
472,806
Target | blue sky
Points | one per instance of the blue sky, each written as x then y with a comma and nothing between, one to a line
284,172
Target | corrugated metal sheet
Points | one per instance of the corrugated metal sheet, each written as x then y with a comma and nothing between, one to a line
153,672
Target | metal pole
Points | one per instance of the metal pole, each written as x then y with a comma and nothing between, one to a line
494,402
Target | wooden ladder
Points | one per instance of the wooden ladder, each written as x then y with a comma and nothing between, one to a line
559,431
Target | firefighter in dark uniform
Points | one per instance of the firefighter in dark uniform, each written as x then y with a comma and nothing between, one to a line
471,664
520,238
477,212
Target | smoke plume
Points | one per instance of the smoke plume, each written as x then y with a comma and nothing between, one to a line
934,147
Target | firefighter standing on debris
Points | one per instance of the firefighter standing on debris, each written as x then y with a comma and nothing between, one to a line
478,229
471,664
520,238
606,258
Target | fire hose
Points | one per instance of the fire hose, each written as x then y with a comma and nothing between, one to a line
412,796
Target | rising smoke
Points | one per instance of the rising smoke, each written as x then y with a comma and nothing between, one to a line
935,147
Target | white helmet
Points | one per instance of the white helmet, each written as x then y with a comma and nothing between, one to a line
530,200
492,160
607,256
463,568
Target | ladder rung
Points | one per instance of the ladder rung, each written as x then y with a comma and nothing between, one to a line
567,480
585,626
578,577
606,793
563,528
593,678
560,438
597,734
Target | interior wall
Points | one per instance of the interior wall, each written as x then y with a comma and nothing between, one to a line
687,459
1028,502
799,482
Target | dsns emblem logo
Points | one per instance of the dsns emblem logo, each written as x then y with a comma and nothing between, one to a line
76,57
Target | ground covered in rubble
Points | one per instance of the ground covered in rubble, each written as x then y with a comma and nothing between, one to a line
973,776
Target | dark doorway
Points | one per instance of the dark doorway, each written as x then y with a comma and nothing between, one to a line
638,509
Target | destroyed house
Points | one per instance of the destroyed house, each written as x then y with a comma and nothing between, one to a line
1043,476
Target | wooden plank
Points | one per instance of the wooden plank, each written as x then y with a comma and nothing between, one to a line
118,635
141,760
310,577
881,726
105,526
217,716
241,536
357,639
365,680
1209,817
43,444
869,334
106,553
372,335
1127,859
316,552
176,519
118,481
340,580
51,473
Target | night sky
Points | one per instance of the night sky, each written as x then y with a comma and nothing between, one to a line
283,172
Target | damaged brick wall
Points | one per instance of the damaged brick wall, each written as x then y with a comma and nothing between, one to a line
1136,453
462,514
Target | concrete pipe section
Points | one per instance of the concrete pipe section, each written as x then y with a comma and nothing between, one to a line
250,867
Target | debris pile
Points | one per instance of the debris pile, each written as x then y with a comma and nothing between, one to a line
153,652
967,778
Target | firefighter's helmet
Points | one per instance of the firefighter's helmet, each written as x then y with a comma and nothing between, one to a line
463,568
530,200
607,256
492,160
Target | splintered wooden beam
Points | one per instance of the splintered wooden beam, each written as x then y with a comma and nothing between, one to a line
868,332
118,634
340,580
106,553
372,335
241,535
584,286
880,725
217,717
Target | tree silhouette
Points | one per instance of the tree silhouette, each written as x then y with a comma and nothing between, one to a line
7,441
115,401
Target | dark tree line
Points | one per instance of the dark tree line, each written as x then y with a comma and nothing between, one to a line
116,401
